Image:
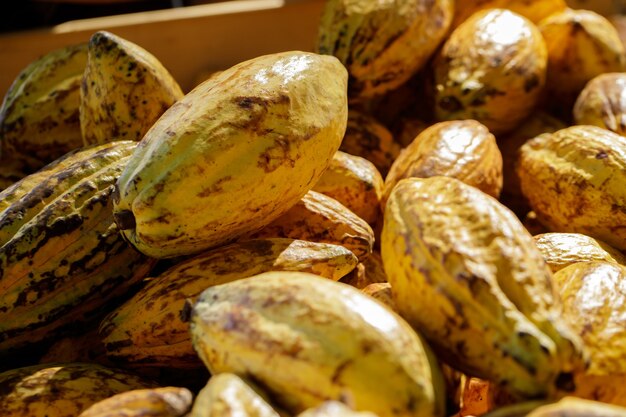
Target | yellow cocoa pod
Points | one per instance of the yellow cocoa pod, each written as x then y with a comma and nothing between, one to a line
61,390
563,249
234,154
619,21
461,149
227,395
534,10
354,182
491,69
382,44
319,218
602,103
151,328
332,341
573,180
581,45
594,300
575,407
487,301
510,144
124,90
381,291
367,138
334,409
155,402
370,271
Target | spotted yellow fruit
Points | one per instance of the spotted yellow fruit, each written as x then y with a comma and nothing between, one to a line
155,402
382,44
602,103
581,45
573,180
61,390
354,182
594,300
461,149
319,218
227,395
39,115
332,341
534,10
563,249
234,154
487,300
334,409
491,69
151,328
124,90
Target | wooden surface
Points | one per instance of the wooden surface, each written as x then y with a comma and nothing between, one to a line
188,41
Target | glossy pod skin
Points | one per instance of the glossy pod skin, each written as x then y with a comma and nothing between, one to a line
124,90
151,329
461,149
336,342
573,180
534,10
234,154
563,249
39,114
334,409
156,402
382,44
487,301
602,103
491,69
594,304
227,395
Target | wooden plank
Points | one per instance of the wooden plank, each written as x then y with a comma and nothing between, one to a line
187,42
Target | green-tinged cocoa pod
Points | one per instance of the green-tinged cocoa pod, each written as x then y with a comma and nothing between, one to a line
334,409
39,115
370,271
594,303
227,395
151,329
382,44
333,342
581,45
234,154
510,144
461,149
574,181
62,258
354,182
124,90
367,138
602,104
487,300
576,407
564,249
491,69
534,10
61,390
319,218
155,402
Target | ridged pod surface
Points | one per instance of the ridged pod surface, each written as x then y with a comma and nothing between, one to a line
574,181
382,44
491,69
39,116
602,103
581,45
487,300
354,182
594,303
334,409
564,249
62,258
124,90
319,218
151,329
227,395
334,341
367,138
461,149
61,390
534,10
155,402
234,154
